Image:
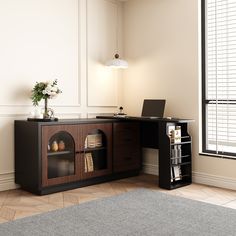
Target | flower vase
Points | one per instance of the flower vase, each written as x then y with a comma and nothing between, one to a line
45,114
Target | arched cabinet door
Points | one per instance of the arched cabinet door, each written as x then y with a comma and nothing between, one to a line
96,150
59,154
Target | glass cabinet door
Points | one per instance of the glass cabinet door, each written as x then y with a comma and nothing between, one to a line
59,155
96,152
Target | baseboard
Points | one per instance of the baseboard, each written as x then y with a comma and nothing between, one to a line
150,169
214,180
7,181
198,177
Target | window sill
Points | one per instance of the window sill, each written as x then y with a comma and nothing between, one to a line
217,155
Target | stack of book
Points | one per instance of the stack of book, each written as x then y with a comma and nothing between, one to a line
174,133
175,173
176,154
93,140
88,162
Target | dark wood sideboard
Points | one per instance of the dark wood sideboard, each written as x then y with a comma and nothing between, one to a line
56,156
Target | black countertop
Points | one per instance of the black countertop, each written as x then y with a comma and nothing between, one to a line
147,119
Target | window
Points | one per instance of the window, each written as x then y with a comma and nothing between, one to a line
219,77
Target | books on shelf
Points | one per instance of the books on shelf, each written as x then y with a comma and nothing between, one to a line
177,134
175,173
171,175
85,165
174,133
88,162
170,131
176,154
93,140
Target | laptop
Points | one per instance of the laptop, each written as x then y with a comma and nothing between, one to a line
153,108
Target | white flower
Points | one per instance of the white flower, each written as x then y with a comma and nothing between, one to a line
49,87
54,89
50,83
53,94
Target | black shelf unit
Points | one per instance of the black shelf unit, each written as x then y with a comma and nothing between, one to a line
174,171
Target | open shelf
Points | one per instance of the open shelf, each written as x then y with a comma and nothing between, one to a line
182,164
181,143
179,183
184,156
175,154
181,177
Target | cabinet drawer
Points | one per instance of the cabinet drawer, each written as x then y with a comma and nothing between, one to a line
126,134
126,144
126,157
127,163
126,151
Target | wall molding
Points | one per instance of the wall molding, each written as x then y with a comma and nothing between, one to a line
30,105
214,180
54,105
79,86
199,177
150,169
115,3
12,115
77,104
7,181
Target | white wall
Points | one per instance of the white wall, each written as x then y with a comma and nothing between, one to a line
71,39
161,45
102,33
46,39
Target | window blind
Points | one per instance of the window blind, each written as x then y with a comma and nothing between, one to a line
220,77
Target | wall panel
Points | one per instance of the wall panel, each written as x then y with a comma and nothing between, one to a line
39,42
102,18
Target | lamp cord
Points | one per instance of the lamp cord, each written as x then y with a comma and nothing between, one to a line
117,30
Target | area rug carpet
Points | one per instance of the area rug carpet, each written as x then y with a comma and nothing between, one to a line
142,212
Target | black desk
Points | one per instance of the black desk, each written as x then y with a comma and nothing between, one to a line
150,127
154,134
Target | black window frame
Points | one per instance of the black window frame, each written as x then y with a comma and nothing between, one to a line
206,101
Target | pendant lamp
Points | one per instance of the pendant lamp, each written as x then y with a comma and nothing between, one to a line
117,63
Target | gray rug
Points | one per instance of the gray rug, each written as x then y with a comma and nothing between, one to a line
142,212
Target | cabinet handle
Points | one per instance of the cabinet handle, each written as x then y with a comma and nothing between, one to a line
128,158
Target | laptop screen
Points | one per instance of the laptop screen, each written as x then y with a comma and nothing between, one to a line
153,107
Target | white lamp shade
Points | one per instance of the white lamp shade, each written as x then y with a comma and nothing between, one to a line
117,63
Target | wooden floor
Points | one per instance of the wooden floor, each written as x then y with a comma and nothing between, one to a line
17,203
